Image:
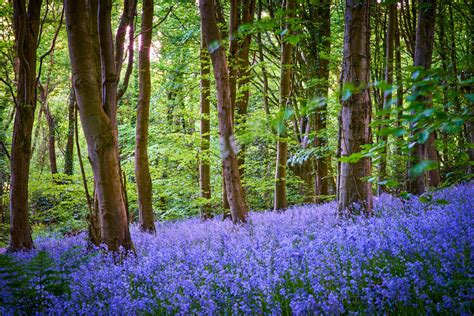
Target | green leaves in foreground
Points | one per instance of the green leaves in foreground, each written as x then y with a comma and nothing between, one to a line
29,285
279,121
422,166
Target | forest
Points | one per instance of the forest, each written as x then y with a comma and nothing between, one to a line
283,157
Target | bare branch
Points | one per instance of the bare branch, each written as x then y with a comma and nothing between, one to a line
10,88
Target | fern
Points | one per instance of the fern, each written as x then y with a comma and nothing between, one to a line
30,286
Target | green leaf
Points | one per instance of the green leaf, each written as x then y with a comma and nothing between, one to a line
355,157
347,91
442,202
213,46
422,137
470,97
405,195
391,131
293,39
424,199
423,166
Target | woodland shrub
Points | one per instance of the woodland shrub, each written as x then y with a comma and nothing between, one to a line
414,256
58,204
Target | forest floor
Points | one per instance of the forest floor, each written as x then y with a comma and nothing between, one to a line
413,256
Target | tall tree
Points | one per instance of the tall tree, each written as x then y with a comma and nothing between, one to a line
233,185
69,153
280,199
142,171
26,24
320,50
204,158
423,58
400,169
44,92
90,45
356,108
246,16
388,77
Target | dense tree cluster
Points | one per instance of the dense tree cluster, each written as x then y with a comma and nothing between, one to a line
219,107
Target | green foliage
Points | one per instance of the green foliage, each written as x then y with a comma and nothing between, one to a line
422,166
58,204
28,285
303,155
280,120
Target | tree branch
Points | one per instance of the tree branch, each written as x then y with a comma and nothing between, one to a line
10,88
157,24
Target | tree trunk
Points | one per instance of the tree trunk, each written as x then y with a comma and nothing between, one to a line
204,161
423,58
243,75
94,109
51,139
280,199
321,48
4,157
400,169
142,172
93,218
233,186
26,25
234,18
356,109
387,97
69,154
44,92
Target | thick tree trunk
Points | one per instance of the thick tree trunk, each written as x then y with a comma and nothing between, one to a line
142,171
423,58
4,157
233,186
69,154
356,110
94,109
387,97
280,199
204,161
26,25
232,68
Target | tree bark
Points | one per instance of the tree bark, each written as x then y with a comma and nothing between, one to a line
243,75
69,154
44,92
400,169
125,26
387,97
233,186
320,50
356,109
142,171
280,199
51,139
423,58
204,161
26,25
94,109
